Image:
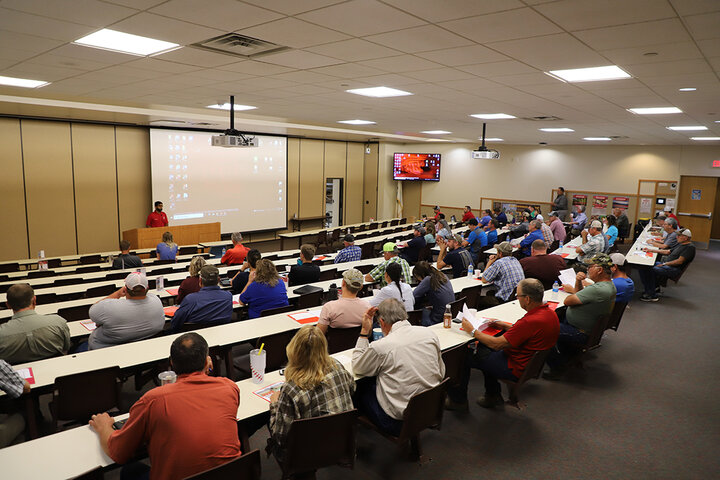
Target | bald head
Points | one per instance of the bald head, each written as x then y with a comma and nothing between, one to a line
538,247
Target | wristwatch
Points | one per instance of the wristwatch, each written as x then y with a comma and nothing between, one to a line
366,335
472,334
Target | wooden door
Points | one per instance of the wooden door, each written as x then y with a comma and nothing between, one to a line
695,207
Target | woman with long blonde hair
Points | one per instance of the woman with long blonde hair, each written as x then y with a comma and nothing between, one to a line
192,283
167,249
264,289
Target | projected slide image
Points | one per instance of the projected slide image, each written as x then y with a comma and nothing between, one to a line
416,166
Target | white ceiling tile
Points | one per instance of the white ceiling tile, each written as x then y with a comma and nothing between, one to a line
538,78
291,32
401,63
157,65
477,85
521,23
454,57
439,11
551,52
85,12
362,17
29,45
491,69
353,50
218,75
665,52
228,15
252,67
709,48
419,39
20,22
62,61
303,76
95,55
585,14
348,70
691,7
131,74
292,7
636,35
704,27
299,59
440,75
167,29
680,79
389,80
137,4
47,73
664,68
197,57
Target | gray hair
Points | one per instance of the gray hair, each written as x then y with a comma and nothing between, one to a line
392,311
673,223
445,225
236,237
533,288
537,224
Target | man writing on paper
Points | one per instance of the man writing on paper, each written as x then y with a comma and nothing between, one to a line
507,356
157,218
188,426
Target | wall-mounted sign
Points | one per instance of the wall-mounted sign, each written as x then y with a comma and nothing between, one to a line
696,194
716,164
620,202
579,199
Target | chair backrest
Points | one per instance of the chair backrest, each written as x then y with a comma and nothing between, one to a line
424,410
244,467
92,268
303,454
425,253
321,237
367,250
191,250
456,306
597,332
275,347
67,281
100,291
328,274
45,298
454,360
80,395
676,278
79,312
340,339
616,315
309,300
415,317
41,273
471,295
9,267
534,367
87,259
274,311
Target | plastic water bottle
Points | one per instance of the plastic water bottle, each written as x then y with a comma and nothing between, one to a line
556,289
42,263
223,251
471,270
160,283
561,244
447,317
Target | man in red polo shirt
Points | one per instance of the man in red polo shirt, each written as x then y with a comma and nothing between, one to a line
188,426
507,355
467,214
157,218
237,254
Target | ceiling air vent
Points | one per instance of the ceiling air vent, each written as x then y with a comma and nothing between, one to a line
542,118
239,45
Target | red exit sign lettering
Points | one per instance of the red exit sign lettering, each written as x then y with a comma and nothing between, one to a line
716,164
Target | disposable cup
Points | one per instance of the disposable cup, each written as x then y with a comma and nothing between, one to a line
377,334
257,365
167,377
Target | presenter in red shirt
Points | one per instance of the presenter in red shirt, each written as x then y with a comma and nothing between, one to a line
157,218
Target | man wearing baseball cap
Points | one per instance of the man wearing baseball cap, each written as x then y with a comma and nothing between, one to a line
348,310
411,251
452,254
350,253
592,241
671,265
129,314
209,306
669,213
505,272
390,254
623,284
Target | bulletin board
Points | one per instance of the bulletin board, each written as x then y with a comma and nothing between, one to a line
602,203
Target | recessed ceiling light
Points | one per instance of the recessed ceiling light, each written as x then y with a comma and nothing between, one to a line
125,42
494,139
654,110
22,82
437,140
688,128
687,89
436,132
379,92
492,116
592,74
705,139
226,106
598,139
557,130
357,122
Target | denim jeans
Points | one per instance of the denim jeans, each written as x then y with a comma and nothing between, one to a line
493,364
569,342
650,276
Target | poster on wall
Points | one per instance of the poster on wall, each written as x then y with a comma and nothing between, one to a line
621,202
599,205
645,208
579,199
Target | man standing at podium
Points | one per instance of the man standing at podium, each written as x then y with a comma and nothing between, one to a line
157,218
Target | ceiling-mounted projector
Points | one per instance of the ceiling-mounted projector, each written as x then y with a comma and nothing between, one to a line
232,138
483,151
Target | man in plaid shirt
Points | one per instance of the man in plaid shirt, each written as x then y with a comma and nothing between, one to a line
390,253
504,271
11,383
350,253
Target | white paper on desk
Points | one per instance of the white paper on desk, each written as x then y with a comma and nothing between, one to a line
25,373
236,299
344,359
567,276
89,324
305,315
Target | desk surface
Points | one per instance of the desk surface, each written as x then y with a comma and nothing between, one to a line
636,256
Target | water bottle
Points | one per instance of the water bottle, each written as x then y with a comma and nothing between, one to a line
471,270
561,244
160,283
223,251
447,317
556,289
42,263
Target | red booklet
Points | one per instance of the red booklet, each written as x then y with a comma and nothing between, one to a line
27,374
170,311
492,331
552,305
172,291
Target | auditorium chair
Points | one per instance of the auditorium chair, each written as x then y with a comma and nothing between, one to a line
533,369
88,259
328,274
415,317
9,267
245,467
454,360
79,312
274,311
78,396
310,300
341,339
191,250
616,316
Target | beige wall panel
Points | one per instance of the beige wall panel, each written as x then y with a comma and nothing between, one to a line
335,157
96,205
12,215
293,174
133,175
49,187
371,192
312,180
412,191
354,184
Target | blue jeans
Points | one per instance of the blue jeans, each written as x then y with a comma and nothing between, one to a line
365,400
494,365
650,276
569,342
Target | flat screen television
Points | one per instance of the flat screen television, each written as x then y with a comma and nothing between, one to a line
416,166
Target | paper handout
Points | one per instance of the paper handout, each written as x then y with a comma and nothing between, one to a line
266,393
27,374
306,317
567,276
89,324
478,323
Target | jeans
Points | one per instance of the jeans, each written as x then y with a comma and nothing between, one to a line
493,364
365,400
650,276
569,342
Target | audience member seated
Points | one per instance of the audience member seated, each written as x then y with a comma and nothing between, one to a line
505,272
241,278
129,314
430,234
578,221
187,427
476,241
305,271
669,213
623,224
445,231
167,249
585,306
125,260
434,289
28,336
236,255
542,266
500,217
394,288
505,357
560,205
535,233
192,283
315,385
467,214
453,255
547,233
350,253
671,265
348,310
411,250
405,362
390,254
487,216
12,424
264,289
491,232
522,228
556,227
669,226
438,214
623,284
209,306
593,241
611,233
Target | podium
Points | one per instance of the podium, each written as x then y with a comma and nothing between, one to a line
182,235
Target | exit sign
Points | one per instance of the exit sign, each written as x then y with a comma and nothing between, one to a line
716,164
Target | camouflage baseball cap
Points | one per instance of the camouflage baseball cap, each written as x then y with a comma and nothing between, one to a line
601,259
